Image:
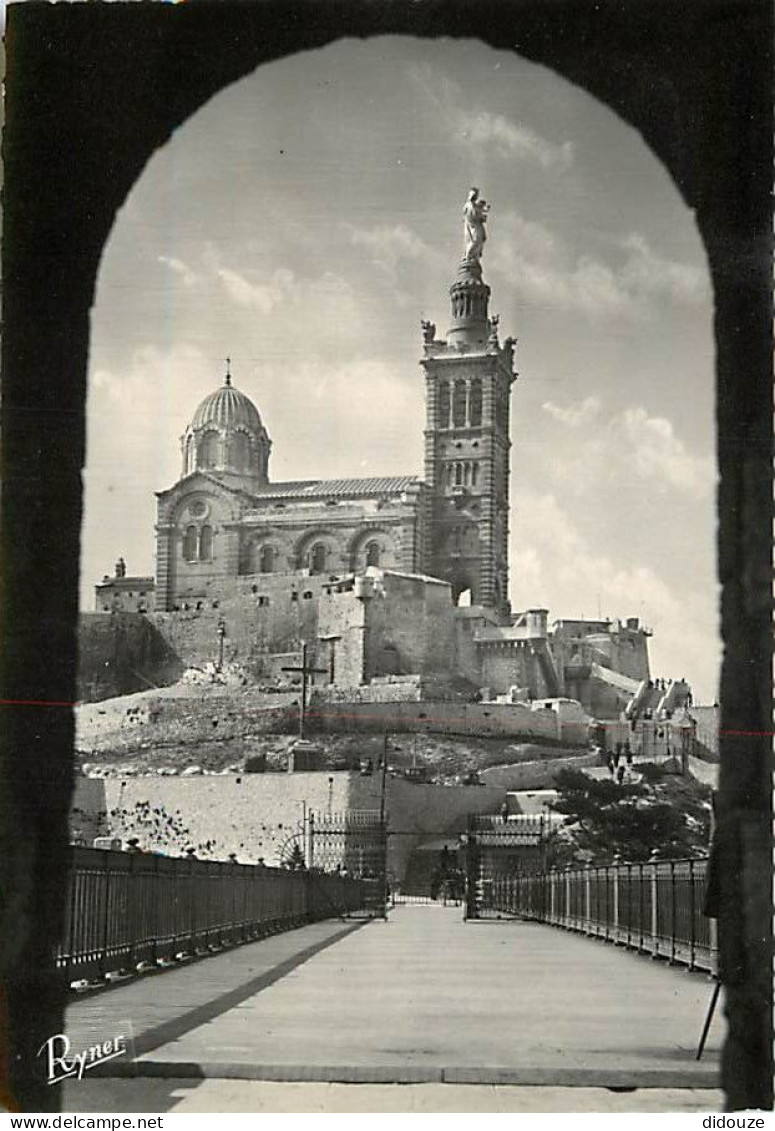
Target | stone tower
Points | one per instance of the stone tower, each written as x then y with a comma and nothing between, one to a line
468,377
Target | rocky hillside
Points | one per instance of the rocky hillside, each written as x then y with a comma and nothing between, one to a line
216,723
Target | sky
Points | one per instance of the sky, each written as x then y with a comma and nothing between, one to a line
306,219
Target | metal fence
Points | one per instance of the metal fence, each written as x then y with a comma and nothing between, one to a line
654,908
126,909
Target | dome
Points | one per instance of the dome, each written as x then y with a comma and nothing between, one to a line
227,407
226,437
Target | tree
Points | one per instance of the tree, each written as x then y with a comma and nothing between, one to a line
604,819
296,859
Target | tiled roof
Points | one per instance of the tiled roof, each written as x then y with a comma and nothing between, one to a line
337,488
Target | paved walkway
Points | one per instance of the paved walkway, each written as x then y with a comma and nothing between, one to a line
423,998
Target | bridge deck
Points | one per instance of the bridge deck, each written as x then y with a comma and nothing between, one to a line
423,997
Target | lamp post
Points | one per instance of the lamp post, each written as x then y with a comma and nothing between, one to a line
221,635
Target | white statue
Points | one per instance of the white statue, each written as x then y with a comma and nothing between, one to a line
475,216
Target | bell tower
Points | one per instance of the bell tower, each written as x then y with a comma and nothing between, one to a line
468,376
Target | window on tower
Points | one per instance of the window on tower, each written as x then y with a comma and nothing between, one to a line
475,407
459,404
444,404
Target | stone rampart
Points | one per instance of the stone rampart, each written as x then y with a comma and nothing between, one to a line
261,815
534,775
495,720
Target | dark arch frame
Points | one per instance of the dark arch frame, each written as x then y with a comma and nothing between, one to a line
92,91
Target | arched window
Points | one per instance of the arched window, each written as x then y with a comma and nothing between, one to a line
190,544
372,553
240,451
206,544
466,473
459,405
458,475
317,558
266,561
444,404
474,474
208,450
475,405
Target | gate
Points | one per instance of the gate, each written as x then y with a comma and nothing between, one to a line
352,844
497,850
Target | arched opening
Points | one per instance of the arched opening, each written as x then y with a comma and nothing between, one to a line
459,404
206,544
475,407
209,450
267,559
240,451
681,138
190,544
372,553
444,404
318,557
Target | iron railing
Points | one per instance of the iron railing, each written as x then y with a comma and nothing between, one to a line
655,908
128,909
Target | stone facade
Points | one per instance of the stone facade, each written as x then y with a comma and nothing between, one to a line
468,377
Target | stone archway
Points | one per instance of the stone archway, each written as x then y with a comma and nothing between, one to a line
694,80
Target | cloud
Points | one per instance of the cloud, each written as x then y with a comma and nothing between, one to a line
543,271
627,445
656,453
190,278
574,415
262,296
484,129
391,245
511,139
646,273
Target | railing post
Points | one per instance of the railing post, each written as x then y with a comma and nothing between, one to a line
672,912
616,899
588,899
568,916
552,896
310,841
105,918
693,930
654,910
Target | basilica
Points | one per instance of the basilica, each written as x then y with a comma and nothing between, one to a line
226,518
277,563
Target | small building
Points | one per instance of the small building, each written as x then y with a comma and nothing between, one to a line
124,594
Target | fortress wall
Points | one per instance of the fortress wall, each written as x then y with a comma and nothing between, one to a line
156,723
477,719
88,810
410,627
119,653
254,815
533,775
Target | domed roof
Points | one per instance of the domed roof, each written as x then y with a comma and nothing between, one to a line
227,407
